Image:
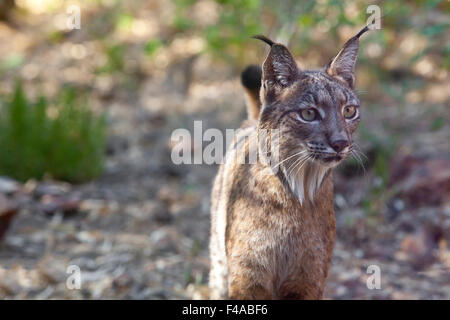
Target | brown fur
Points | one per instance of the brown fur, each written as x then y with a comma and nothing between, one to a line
273,231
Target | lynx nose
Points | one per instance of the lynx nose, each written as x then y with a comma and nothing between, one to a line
339,145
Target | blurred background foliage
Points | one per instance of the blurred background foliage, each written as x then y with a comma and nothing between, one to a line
122,43
96,107
407,61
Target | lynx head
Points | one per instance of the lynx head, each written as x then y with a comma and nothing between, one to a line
315,111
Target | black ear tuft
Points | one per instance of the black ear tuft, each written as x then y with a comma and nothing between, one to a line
264,38
342,66
364,30
251,77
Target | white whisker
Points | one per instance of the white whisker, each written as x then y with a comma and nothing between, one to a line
291,156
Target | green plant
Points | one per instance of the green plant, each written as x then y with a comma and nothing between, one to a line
115,59
63,139
152,46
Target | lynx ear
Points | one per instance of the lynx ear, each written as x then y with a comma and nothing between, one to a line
279,68
342,66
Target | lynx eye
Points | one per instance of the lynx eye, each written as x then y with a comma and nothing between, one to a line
349,112
308,114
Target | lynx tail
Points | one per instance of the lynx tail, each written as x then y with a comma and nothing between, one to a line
251,80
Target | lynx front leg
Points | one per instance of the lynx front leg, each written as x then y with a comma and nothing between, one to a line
301,289
246,283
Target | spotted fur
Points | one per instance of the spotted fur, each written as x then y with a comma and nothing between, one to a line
273,223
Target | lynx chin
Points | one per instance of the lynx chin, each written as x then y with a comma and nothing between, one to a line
272,231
